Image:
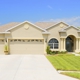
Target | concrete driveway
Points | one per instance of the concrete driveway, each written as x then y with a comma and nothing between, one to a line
28,67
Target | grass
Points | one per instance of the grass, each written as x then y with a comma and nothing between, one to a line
72,74
65,62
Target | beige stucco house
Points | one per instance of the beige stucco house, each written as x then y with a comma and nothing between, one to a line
29,38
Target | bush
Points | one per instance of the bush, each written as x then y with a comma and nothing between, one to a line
78,53
48,50
54,52
63,52
6,48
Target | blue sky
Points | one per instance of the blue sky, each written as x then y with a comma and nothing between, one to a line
40,10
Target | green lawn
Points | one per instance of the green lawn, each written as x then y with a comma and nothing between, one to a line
72,74
65,62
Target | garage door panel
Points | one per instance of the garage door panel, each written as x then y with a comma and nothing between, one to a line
27,47
2,46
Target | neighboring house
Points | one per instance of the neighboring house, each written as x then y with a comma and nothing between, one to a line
28,38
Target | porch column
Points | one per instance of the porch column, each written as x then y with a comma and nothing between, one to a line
77,42
62,44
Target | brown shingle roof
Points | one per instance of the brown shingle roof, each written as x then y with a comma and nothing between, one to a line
3,28
44,24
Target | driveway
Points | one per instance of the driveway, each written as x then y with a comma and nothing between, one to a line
28,67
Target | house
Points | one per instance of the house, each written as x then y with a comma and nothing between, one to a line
29,38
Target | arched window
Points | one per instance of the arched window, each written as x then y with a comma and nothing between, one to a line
53,43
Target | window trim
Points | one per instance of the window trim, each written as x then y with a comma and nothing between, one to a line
53,44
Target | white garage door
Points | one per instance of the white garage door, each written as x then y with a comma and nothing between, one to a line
2,46
18,46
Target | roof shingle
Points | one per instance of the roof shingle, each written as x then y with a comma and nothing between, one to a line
45,24
3,28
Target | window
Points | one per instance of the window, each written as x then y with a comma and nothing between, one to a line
53,43
40,40
32,40
28,40
2,40
19,39
15,39
11,40
23,40
36,40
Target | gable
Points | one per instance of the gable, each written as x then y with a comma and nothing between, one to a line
71,27
72,31
54,31
60,25
24,23
26,30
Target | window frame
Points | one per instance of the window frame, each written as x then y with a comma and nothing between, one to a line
53,44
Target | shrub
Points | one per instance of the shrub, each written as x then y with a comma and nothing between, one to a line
78,53
6,48
62,52
48,50
54,52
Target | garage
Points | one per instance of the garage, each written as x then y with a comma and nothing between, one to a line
26,46
2,46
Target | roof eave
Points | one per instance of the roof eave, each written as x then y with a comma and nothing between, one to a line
62,31
23,23
55,25
4,32
45,32
71,26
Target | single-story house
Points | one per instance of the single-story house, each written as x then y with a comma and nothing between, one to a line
29,38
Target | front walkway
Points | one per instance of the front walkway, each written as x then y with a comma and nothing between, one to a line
28,67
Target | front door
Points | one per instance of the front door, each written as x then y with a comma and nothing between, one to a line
69,44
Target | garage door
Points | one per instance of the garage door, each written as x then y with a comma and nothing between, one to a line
18,46
1,46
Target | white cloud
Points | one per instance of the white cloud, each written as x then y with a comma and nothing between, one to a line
50,7
75,21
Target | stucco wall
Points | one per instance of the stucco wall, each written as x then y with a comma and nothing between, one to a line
26,31
2,36
70,31
54,32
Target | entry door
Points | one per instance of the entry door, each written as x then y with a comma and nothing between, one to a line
69,44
